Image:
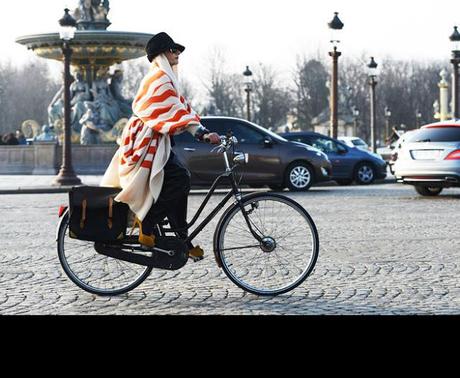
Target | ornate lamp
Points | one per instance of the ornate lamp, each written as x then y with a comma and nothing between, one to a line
387,126
373,73
455,42
66,176
335,26
248,89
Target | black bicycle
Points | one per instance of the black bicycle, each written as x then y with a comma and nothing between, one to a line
256,251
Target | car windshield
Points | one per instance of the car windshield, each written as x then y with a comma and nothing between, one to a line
269,132
262,129
358,142
435,134
325,145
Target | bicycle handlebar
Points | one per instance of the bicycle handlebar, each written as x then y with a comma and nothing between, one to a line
226,142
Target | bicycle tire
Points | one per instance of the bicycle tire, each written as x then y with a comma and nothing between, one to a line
86,256
246,276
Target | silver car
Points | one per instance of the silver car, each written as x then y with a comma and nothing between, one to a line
430,158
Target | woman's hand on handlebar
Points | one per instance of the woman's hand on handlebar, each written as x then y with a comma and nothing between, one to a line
212,138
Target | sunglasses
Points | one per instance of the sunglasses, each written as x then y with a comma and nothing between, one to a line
175,51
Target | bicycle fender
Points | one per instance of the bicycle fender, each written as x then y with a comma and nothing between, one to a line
64,218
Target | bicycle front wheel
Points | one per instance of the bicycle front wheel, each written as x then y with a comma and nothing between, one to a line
286,256
93,272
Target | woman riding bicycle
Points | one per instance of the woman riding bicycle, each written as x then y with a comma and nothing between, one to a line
154,183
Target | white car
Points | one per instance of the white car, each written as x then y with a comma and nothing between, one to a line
359,144
390,153
355,142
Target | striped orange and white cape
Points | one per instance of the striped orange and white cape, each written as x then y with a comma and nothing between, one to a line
158,112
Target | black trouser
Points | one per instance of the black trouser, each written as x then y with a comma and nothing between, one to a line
173,200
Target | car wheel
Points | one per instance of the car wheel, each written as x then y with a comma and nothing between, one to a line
344,182
299,177
429,191
364,174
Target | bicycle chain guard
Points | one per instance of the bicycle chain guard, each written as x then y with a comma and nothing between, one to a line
158,260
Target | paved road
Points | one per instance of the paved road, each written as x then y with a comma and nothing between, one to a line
384,250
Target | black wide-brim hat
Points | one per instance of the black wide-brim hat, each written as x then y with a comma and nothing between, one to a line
159,44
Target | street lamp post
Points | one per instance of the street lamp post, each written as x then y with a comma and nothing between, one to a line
387,123
336,26
418,117
248,89
355,120
372,66
455,39
66,175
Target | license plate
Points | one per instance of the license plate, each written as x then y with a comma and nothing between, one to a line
426,154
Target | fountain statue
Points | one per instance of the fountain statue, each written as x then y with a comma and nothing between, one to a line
92,14
46,135
97,103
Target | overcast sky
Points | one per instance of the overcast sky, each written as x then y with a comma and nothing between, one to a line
251,31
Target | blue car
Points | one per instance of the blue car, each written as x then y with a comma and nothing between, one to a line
348,164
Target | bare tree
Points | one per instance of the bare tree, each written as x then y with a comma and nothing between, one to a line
133,73
353,75
405,87
272,101
408,88
224,89
26,93
311,93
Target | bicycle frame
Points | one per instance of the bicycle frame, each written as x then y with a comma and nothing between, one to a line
233,192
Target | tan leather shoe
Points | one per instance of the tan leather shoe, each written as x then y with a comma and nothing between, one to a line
196,254
145,240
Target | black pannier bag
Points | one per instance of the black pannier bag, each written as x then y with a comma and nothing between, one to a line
95,215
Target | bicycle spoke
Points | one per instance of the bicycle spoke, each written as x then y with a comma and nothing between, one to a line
245,231
244,247
295,266
293,232
258,215
256,255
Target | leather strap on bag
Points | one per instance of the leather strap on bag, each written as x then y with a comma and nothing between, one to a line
84,205
110,221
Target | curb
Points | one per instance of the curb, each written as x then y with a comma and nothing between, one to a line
31,190
198,190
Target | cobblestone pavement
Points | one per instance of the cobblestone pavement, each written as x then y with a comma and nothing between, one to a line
383,250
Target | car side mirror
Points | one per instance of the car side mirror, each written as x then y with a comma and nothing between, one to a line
268,141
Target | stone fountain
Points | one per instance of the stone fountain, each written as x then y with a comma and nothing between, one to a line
98,108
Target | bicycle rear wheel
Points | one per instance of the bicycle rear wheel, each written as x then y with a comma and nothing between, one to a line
93,272
287,255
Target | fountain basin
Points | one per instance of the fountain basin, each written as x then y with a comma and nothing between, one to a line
90,47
